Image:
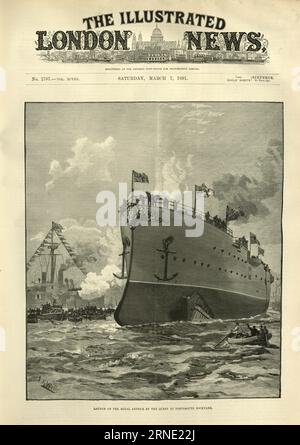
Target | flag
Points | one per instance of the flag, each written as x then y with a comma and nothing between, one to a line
139,177
261,251
233,214
203,188
253,239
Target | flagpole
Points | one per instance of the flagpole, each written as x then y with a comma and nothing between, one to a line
250,245
194,208
132,182
132,187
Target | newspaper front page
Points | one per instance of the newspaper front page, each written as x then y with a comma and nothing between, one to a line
149,212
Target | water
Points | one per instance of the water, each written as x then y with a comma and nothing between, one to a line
101,360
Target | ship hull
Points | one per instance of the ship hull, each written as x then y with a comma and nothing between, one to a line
155,303
201,278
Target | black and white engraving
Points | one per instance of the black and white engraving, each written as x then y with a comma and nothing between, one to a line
137,308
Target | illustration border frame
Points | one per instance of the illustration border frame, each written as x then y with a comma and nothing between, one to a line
27,398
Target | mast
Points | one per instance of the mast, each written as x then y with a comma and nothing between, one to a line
53,246
52,258
195,201
50,244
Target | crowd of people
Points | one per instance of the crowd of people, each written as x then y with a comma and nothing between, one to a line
250,331
216,221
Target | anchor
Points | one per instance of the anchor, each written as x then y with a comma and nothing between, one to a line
123,276
166,242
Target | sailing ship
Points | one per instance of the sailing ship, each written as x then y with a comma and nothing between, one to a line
171,277
50,287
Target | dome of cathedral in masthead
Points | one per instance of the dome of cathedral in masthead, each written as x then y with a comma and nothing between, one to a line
157,36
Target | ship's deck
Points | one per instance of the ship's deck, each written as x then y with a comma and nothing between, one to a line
171,206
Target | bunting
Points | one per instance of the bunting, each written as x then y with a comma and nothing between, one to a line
57,226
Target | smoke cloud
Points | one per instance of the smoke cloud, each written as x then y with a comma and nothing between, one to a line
90,160
251,193
95,285
97,249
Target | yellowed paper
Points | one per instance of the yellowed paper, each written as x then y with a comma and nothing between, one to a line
153,322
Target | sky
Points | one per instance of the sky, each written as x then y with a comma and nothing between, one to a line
75,150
